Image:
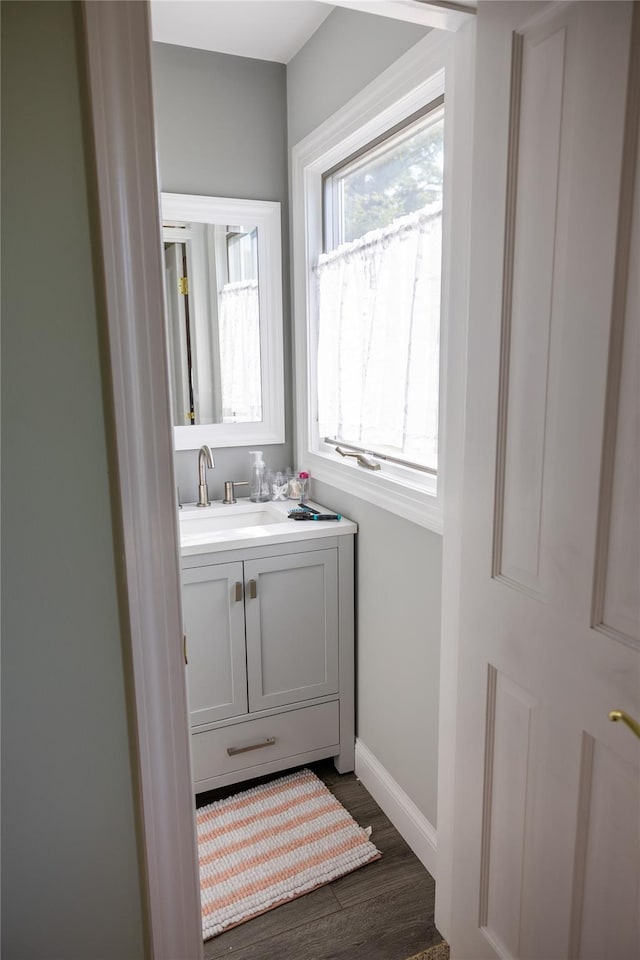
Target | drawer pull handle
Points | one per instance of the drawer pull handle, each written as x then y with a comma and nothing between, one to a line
267,742
253,589
238,589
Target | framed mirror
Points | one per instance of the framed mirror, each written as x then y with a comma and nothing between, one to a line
223,296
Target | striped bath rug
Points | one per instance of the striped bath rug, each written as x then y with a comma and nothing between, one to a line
439,952
270,844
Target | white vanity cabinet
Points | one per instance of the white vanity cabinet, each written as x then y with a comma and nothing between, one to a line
270,658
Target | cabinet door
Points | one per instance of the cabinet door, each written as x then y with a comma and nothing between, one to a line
292,628
214,624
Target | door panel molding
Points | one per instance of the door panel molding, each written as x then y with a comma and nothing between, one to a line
533,178
617,612
510,729
604,920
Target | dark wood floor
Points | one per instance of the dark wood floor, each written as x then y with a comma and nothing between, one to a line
383,911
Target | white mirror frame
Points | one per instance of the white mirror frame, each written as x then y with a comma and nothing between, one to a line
265,214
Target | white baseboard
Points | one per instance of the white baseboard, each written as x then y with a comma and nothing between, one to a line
401,810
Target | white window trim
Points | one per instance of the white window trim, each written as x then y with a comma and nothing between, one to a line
409,84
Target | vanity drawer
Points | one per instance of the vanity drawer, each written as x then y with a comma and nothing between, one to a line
264,740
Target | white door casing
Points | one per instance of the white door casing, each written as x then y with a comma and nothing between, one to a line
545,859
120,108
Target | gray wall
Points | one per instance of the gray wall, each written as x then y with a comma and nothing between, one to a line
70,876
399,564
348,51
221,130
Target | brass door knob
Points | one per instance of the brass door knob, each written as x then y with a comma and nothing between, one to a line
617,715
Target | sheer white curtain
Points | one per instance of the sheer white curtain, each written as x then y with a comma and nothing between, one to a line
379,338
240,352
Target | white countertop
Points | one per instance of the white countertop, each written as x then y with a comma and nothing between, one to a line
243,524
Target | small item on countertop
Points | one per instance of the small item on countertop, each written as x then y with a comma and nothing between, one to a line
317,516
259,489
293,489
303,480
279,485
302,508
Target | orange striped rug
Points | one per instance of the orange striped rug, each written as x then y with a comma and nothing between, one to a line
270,844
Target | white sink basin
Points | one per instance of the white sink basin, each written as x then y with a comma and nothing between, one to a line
211,523
200,525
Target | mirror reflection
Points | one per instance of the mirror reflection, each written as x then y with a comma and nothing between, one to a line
213,322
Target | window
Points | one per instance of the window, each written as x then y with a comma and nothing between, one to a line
370,228
239,327
379,296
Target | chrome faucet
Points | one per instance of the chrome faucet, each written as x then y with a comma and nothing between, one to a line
205,461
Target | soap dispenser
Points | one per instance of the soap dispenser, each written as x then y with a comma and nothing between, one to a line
259,489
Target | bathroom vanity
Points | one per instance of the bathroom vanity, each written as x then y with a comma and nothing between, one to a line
268,612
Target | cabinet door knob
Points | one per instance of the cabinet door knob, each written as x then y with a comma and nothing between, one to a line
253,589
238,590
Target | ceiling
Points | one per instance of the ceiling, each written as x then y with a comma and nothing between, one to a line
262,29
277,29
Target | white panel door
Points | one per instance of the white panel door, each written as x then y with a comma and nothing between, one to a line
292,628
213,603
546,851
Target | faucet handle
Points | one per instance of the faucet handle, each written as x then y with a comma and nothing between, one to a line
230,491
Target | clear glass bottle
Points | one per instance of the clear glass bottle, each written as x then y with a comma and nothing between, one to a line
259,489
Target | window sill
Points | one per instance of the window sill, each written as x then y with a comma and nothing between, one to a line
417,503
